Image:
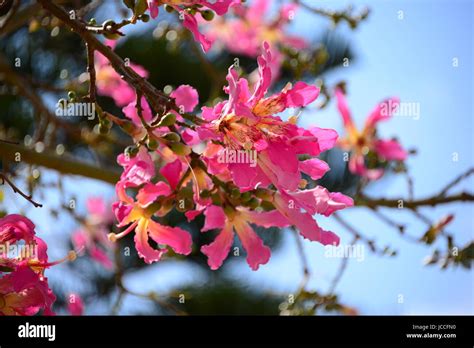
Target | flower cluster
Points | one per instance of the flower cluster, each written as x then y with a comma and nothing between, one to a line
24,288
231,191
365,146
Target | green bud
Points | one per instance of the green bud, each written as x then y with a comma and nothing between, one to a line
167,120
216,199
71,95
106,123
246,196
180,149
205,194
171,137
253,203
140,7
92,21
131,151
103,129
152,144
129,3
208,15
235,193
145,18
264,194
267,206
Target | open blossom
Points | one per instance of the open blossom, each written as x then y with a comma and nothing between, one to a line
109,83
92,237
238,220
189,9
137,214
361,143
245,32
24,288
247,121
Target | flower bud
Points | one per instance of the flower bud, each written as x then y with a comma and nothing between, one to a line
167,120
131,151
208,15
180,149
171,137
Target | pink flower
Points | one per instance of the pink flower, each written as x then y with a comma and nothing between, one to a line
220,7
75,305
186,97
138,213
361,143
238,221
24,289
110,84
25,292
244,33
247,121
299,208
92,237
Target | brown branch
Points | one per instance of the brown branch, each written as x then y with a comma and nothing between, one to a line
62,164
372,203
155,97
91,71
15,188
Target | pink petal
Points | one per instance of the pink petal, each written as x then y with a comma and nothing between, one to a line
314,167
178,239
150,192
391,150
382,112
344,109
191,24
76,308
101,257
218,250
257,253
153,7
326,137
144,250
186,97
300,95
215,218
172,172
266,219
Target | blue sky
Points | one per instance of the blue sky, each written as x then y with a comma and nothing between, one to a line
411,58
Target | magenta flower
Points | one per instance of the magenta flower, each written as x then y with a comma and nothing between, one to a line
24,289
110,84
190,22
247,121
245,32
92,237
361,143
238,221
137,214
